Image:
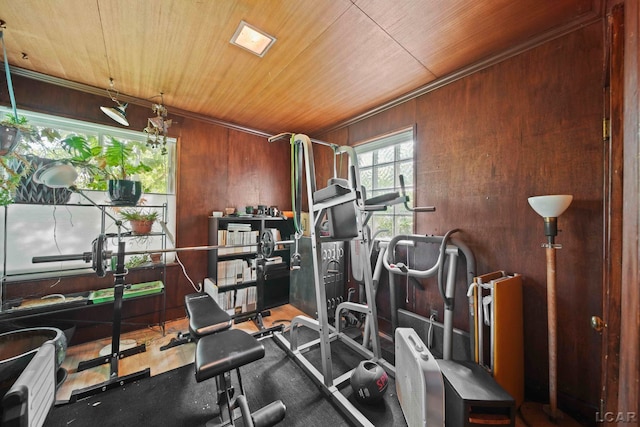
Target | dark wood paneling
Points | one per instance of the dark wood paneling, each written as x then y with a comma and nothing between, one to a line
402,116
530,125
45,98
221,168
629,387
613,152
526,127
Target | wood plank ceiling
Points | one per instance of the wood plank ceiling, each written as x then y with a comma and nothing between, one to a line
333,59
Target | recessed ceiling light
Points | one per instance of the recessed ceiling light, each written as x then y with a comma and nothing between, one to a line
252,39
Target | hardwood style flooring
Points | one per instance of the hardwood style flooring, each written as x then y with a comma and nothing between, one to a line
157,360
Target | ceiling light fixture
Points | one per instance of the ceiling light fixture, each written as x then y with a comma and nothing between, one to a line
158,126
117,113
252,39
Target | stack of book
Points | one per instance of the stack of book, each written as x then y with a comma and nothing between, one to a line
235,301
234,271
238,234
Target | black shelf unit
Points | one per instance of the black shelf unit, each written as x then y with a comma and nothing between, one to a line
271,280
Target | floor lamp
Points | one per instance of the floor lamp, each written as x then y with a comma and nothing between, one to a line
550,208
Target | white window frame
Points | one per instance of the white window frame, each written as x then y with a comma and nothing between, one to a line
402,220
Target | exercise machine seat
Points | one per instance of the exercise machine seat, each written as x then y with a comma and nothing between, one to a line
225,351
205,315
341,217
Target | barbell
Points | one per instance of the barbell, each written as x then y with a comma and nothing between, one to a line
100,257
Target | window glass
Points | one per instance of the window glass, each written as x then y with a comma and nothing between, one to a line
51,130
384,177
385,155
405,151
366,177
407,173
381,161
365,159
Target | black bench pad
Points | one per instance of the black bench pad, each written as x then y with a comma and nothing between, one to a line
205,315
225,351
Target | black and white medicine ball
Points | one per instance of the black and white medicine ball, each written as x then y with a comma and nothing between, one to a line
369,382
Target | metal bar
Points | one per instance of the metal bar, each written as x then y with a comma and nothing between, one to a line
346,407
83,256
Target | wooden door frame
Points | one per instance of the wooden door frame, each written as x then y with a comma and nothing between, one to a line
612,206
621,303
629,365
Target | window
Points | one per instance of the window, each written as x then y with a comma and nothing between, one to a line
161,178
36,230
381,162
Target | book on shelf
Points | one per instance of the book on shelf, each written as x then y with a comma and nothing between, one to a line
236,271
240,235
234,301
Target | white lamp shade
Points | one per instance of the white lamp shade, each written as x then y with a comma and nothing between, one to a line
56,175
117,113
550,206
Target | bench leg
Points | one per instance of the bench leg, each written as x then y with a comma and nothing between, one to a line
226,412
230,409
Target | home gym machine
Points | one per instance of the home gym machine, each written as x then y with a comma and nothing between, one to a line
457,393
343,206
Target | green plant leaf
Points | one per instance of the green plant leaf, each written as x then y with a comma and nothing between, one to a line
78,147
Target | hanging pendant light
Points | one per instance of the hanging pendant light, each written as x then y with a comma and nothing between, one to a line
117,113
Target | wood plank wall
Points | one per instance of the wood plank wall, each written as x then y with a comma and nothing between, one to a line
530,125
221,168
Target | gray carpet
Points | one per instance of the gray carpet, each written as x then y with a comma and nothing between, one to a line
176,399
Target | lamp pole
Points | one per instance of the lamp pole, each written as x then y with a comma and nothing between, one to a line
552,321
550,208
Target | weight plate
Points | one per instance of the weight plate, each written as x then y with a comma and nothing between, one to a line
267,244
99,261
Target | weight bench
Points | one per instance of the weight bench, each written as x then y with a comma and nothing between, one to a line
221,350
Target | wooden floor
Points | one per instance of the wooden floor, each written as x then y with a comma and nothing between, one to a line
157,360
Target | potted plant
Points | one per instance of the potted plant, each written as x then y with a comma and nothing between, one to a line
16,167
10,175
39,149
13,164
118,160
140,220
11,130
